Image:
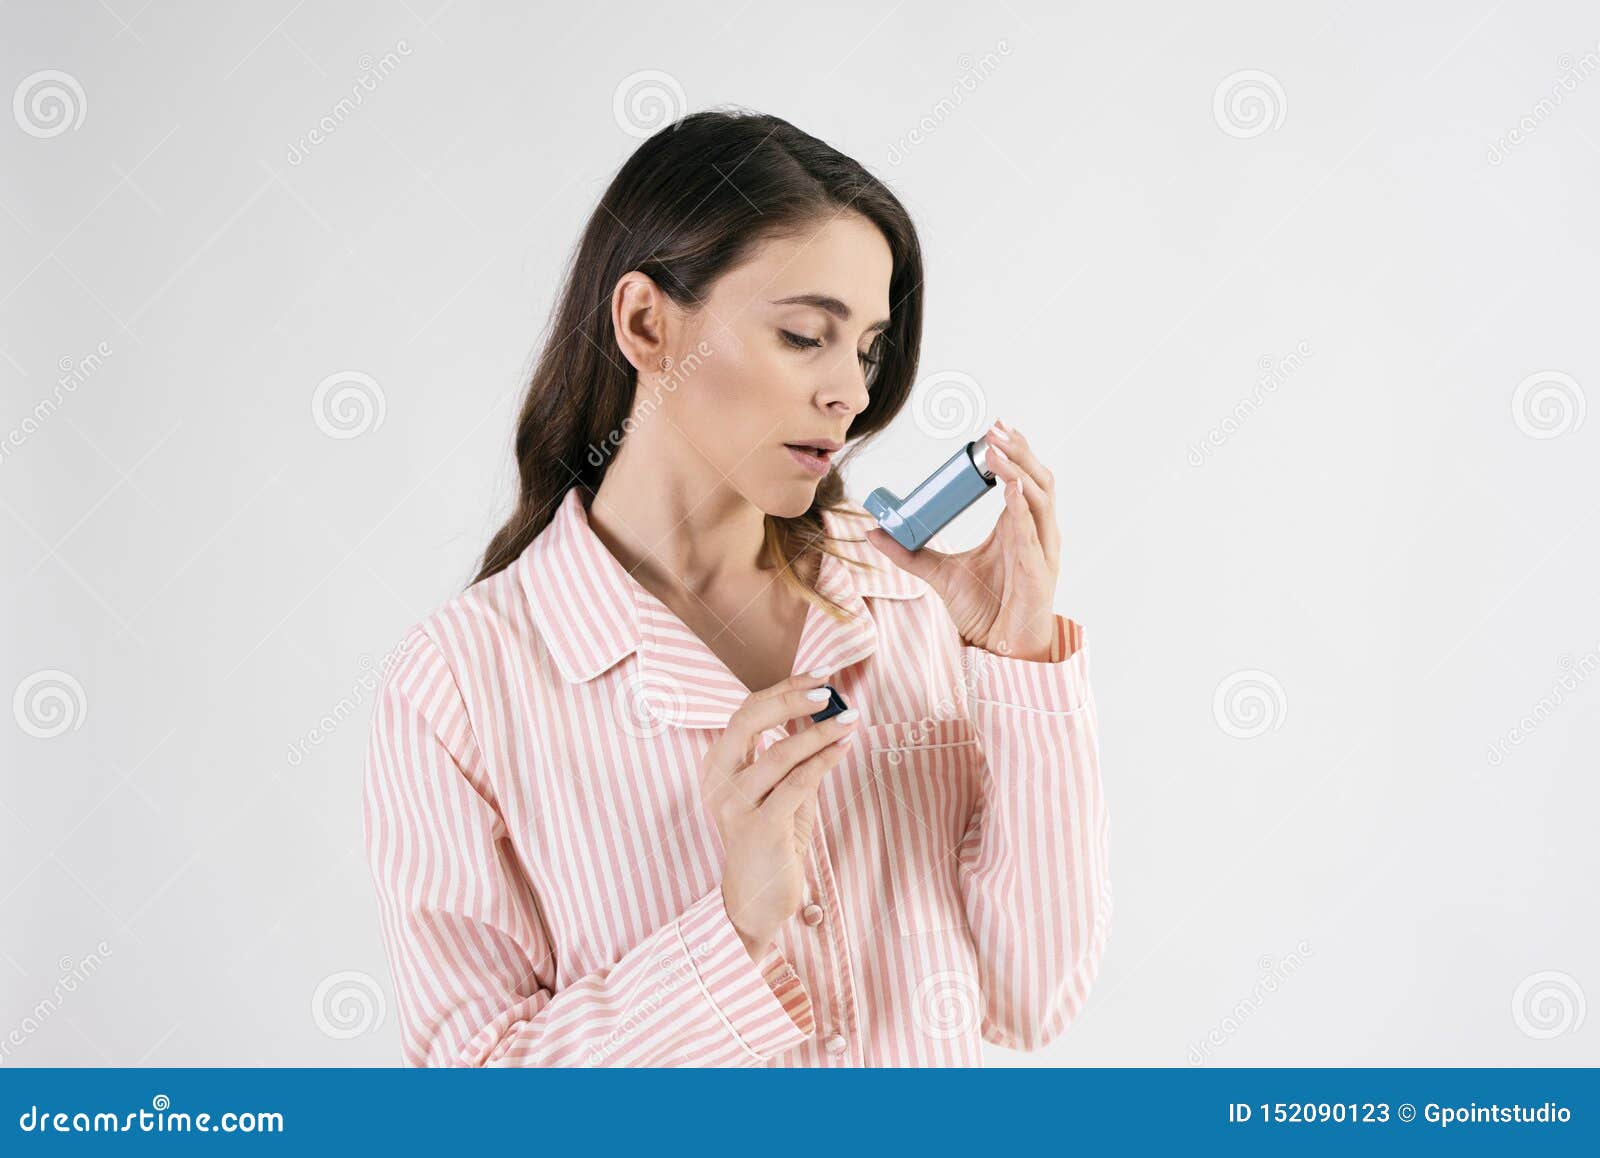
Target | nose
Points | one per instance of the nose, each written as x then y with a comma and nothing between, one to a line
845,390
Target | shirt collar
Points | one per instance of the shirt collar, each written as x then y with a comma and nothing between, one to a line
592,614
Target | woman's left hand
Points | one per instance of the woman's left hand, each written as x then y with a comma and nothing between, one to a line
1001,594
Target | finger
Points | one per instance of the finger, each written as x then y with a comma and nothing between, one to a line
761,710
1027,527
1015,514
1042,507
802,781
1039,505
783,757
1019,450
1043,480
771,709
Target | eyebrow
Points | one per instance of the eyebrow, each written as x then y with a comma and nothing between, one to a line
825,302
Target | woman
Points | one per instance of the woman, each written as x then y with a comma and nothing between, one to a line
602,826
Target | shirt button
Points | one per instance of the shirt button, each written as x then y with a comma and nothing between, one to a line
835,1044
811,914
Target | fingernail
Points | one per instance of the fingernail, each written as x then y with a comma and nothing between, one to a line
1001,452
999,431
848,716
819,694
818,674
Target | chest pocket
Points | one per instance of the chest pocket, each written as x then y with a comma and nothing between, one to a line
926,779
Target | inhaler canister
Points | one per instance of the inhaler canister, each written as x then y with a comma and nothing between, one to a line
955,486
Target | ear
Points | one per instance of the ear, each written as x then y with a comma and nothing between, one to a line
641,316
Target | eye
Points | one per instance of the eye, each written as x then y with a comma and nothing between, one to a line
869,360
873,356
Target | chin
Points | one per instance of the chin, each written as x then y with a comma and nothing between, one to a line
790,502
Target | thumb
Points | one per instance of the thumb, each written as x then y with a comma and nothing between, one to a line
921,563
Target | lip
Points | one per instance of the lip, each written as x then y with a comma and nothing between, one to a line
813,464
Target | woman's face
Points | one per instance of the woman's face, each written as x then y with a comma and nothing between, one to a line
787,338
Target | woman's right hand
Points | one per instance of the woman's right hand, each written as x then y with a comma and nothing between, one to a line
765,808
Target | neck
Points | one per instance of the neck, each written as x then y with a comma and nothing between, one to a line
671,519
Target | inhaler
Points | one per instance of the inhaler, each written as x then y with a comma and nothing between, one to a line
948,491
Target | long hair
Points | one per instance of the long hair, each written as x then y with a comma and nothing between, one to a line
691,203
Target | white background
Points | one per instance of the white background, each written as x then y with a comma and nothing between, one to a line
1399,541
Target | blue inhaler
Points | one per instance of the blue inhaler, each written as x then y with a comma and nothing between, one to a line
948,491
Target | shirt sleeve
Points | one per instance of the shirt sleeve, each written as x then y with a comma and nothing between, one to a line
1034,864
470,957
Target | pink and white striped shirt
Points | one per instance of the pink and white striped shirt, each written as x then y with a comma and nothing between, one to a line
549,881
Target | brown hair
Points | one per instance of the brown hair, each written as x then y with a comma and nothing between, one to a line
691,203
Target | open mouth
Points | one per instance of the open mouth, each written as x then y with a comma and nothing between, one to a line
813,459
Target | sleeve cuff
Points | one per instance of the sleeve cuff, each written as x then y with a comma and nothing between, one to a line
764,1004
1060,685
